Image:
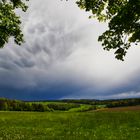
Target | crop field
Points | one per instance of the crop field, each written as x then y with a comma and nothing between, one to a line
70,125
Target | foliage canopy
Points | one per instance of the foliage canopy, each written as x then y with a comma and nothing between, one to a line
123,18
10,22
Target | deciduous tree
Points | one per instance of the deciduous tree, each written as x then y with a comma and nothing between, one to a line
123,17
10,22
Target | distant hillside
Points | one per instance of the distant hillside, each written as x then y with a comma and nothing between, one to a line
108,103
41,106
65,105
131,101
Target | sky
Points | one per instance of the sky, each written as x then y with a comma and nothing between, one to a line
62,59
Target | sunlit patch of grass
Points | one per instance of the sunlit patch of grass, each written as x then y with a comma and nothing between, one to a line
82,108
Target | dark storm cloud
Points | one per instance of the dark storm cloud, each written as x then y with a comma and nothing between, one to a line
43,93
35,63
62,58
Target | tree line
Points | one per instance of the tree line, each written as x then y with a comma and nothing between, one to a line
16,105
125,102
108,103
63,105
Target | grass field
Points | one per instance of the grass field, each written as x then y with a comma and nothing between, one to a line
70,125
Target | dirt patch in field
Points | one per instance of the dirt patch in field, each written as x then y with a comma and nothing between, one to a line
129,108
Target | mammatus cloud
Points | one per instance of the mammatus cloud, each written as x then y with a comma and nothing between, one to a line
62,58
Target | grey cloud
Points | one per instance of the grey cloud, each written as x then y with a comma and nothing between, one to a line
24,62
38,28
61,49
6,65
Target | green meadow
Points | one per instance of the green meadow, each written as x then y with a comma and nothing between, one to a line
95,125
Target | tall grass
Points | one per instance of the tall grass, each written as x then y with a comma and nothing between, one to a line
70,126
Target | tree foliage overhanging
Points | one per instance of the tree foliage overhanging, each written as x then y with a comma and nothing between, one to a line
10,22
123,18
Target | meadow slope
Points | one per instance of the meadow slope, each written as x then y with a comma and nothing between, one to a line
70,125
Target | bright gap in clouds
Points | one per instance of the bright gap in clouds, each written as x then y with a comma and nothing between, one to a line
63,59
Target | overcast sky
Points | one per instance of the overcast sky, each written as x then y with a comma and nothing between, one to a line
62,58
